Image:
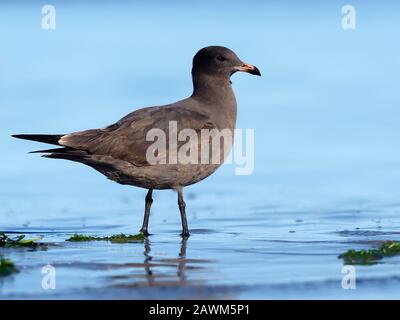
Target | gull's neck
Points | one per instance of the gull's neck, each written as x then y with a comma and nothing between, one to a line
217,99
212,89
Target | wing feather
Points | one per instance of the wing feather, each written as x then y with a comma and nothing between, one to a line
126,139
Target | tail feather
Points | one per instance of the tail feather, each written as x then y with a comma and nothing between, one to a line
67,156
65,153
72,155
57,150
45,138
68,153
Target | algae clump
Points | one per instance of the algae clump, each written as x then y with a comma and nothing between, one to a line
118,238
368,257
390,248
7,267
19,241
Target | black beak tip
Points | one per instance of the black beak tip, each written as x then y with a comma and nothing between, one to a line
256,72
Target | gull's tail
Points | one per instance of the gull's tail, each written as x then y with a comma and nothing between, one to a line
59,153
66,153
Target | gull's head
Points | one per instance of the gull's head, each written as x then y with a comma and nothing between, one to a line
220,62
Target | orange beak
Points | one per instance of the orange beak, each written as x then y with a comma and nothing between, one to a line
249,68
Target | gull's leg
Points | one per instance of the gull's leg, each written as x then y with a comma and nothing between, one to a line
149,201
182,205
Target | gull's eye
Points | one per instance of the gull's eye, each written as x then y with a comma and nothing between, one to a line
221,58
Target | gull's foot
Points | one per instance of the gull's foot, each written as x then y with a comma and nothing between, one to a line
185,234
145,232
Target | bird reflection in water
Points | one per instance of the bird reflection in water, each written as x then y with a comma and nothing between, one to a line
160,271
179,262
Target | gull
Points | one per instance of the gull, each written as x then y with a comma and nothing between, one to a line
121,150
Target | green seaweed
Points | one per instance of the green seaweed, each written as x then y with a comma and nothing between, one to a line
7,267
372,256
80,237
118,238
121,238
362,257
19,241
390,248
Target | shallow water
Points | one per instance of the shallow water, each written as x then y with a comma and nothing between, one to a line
327,154
266,254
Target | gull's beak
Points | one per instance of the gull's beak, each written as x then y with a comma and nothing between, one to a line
249,68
